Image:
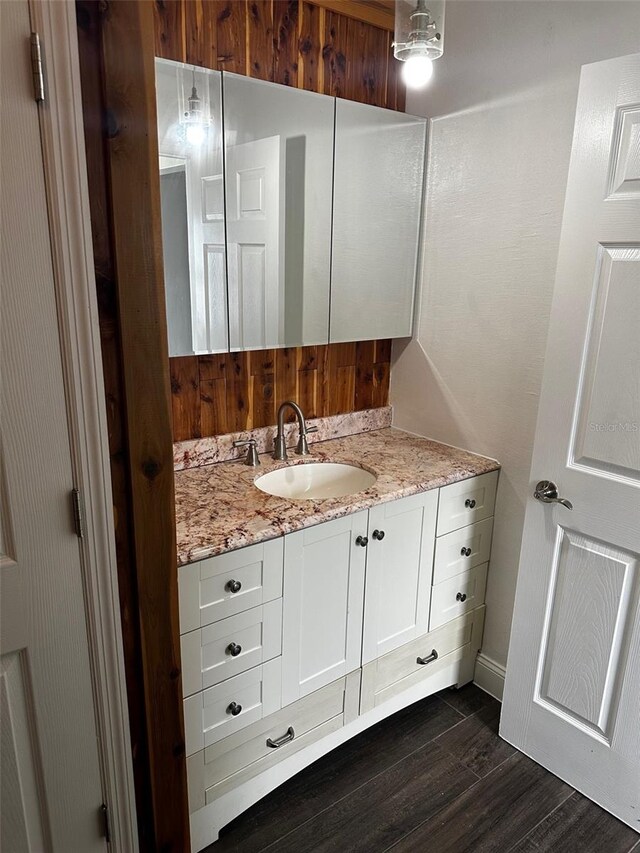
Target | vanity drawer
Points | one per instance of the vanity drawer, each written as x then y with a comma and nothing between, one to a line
208,715
206,588
230,646
461,550
399,670
232,761
457,595
465,502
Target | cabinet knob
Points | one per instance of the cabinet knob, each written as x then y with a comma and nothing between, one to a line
465,552
429,658
469,503
363,541
233,586
461,596
234,709
378,534
234,649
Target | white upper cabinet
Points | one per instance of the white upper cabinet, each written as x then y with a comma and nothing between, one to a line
289,218
377,202
279,166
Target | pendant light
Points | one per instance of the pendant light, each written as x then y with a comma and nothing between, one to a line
195,116
418,38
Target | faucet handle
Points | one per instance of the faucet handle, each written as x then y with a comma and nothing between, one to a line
252,454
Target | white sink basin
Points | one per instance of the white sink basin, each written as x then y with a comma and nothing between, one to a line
315,480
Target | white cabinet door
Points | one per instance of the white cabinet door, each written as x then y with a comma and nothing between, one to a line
377,199
399,561
323,599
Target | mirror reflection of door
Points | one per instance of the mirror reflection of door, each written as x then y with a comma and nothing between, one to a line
192,199
255,214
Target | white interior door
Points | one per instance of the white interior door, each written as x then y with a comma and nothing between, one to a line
255,212
50,791
572,693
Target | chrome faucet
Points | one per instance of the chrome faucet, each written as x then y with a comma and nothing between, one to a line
279,445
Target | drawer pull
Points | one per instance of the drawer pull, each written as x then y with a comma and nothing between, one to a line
469,503
363,541
465,552
429,659
234,709
280,741
233,586
378,534
461,596
234,649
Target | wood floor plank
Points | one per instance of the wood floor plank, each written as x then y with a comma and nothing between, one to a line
336,775
376,815
467,700
578,826
506,804
475,741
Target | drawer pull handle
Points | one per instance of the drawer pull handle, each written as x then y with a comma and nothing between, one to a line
378,534
363,541
234,709
429,659
280,741
461,596
234,649
465,552
469,503
233,586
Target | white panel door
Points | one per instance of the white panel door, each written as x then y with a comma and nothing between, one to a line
572,694
399,565
255,223
323,601
50,786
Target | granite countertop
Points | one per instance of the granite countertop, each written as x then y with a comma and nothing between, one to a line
219,509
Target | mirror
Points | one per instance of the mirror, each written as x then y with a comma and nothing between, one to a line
279,172
192,202
246,258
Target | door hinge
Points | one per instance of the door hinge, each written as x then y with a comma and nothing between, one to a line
106,828
36,68
78,513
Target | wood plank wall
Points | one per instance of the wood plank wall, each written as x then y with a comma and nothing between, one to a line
299,44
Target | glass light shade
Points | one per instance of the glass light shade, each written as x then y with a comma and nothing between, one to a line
194,104
419,29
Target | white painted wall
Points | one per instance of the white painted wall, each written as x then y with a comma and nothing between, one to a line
502,100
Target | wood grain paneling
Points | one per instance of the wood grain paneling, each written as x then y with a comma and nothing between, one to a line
214,394
343,50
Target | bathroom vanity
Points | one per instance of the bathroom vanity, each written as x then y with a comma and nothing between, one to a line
303,622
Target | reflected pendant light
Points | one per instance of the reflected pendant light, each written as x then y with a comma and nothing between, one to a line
418,38
194,114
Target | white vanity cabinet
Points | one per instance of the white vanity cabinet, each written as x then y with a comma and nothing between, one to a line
294,645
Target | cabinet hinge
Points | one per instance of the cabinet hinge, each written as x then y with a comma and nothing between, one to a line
37,68
106,828
78,513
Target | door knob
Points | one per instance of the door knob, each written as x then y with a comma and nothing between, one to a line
547,492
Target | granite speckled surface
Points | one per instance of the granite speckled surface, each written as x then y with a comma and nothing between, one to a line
218,507
219,448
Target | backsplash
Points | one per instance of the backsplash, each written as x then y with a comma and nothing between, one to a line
219,448
218,394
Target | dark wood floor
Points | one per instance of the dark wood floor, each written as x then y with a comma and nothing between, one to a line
434,778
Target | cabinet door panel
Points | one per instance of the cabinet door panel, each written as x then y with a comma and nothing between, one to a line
322,615
399,565
378,173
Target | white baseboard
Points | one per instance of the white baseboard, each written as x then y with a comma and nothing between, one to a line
489,676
